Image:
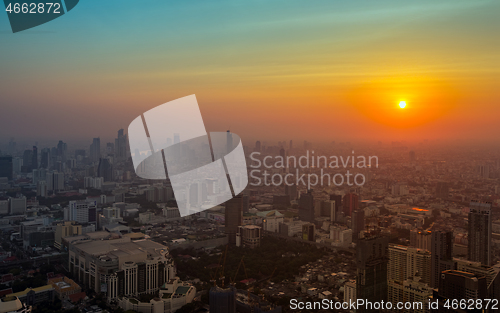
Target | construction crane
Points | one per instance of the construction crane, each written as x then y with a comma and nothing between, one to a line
214,276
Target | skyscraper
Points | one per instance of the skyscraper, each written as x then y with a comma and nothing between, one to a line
95,150
371,272
338,206
45,158
6,167
105,169
462,285
121,146
350,203
27,159
441,255
222,300
479,248
233,218
306,207
357,223
34,158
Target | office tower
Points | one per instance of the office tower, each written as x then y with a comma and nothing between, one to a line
308,232
291,191
222,300
406,263
55,181
95,150
45,158
105,169
41,189
357,223
233,218
110,149
441,255
39,175
341,236
17,164
291,144
350,203
248,236
177,138
371,269
412,157
6,167
81,211
27,159
442,190
17,205
328,209
338,205
455,284
479,248
61,150
421,239
121,146
246,203
306,207
257,146
34,159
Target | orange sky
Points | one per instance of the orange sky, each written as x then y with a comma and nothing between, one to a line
287,70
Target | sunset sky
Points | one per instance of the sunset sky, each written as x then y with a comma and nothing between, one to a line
274,70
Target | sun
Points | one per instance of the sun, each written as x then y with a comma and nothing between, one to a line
402,104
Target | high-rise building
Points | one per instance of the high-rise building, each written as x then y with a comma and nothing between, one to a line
41,189
371,272
291,191
248,236
6,167
357,223
479,247
34,158
27,159
291,144
338,206
406,263
308,232
328,210
55,181
441,255
105,169
95,150
350,203
121,146
17,205
81,211
306,207
233,218
421,239
62,148
455,284
222,300
45,158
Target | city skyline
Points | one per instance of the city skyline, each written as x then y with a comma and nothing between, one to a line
354,64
